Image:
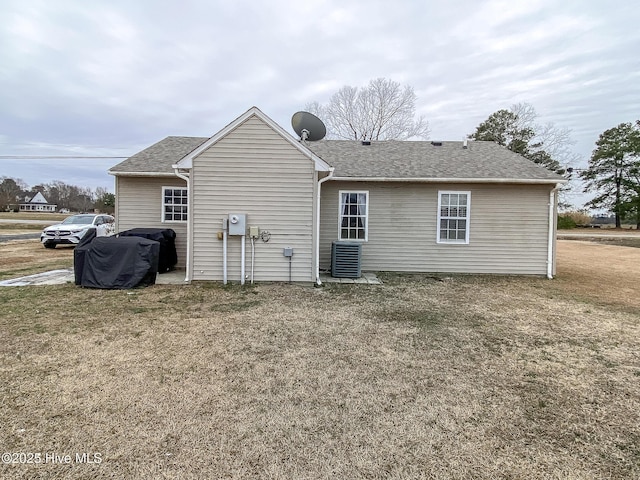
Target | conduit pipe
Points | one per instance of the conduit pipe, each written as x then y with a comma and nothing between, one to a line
242,239
224,250
253,256
317,266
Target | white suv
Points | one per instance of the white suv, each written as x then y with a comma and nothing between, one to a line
73,228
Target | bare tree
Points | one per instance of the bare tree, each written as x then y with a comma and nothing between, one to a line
10,190
516,129
550,138
384,110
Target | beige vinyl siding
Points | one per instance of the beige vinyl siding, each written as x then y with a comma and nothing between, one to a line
253,170
508,228
139,205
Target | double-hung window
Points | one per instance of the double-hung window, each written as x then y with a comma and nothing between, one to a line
353,215
174,204
453,217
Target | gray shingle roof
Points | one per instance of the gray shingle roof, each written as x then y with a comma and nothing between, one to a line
406,160
388,159
159,157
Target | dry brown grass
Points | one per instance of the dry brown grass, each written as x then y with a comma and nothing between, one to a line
26,257
608,274
469,377
18,228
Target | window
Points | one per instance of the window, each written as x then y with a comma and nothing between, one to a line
453,217
354,211
174,204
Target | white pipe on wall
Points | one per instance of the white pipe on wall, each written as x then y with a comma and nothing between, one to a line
317,266
242,254
253,256
552,231
184,177
224,251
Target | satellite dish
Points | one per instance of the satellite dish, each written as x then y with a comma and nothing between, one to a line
308,126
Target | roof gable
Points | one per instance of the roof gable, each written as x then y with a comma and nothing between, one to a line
38,198
187,161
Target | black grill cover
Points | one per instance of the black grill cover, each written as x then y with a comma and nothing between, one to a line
167,239
80,252
116,262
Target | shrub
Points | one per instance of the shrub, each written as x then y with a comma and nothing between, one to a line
565,221
581,218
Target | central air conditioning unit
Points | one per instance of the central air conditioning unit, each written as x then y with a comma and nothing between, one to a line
346,259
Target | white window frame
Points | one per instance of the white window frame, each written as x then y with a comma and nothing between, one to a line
441,217
365,216
163,204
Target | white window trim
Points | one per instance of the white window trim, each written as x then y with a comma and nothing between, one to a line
162,205
467,218
366,225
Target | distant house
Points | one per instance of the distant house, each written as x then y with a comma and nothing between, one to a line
37,204
452,207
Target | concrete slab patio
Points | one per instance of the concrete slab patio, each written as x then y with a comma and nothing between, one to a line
53,277
369,278
60,277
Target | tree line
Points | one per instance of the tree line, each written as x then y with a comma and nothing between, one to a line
14,191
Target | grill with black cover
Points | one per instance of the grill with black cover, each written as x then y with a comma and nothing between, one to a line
116,262
167,239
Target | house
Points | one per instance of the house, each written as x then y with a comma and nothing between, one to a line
37,204
457,207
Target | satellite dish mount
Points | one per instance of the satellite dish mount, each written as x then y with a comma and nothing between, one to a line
308,126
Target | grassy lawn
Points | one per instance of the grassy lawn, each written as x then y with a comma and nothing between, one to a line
26,216
466,377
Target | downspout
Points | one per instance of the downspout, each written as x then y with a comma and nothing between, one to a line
552,231
320,182
190,216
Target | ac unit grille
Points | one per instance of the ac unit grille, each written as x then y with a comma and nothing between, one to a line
346,259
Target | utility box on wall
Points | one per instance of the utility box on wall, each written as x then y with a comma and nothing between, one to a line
237,224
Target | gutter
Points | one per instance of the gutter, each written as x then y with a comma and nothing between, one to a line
552,232
140,174
184,177
317,266
533,181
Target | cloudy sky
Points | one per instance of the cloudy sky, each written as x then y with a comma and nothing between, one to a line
109,78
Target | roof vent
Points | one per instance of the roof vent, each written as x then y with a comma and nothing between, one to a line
436,144
366,142
465,143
